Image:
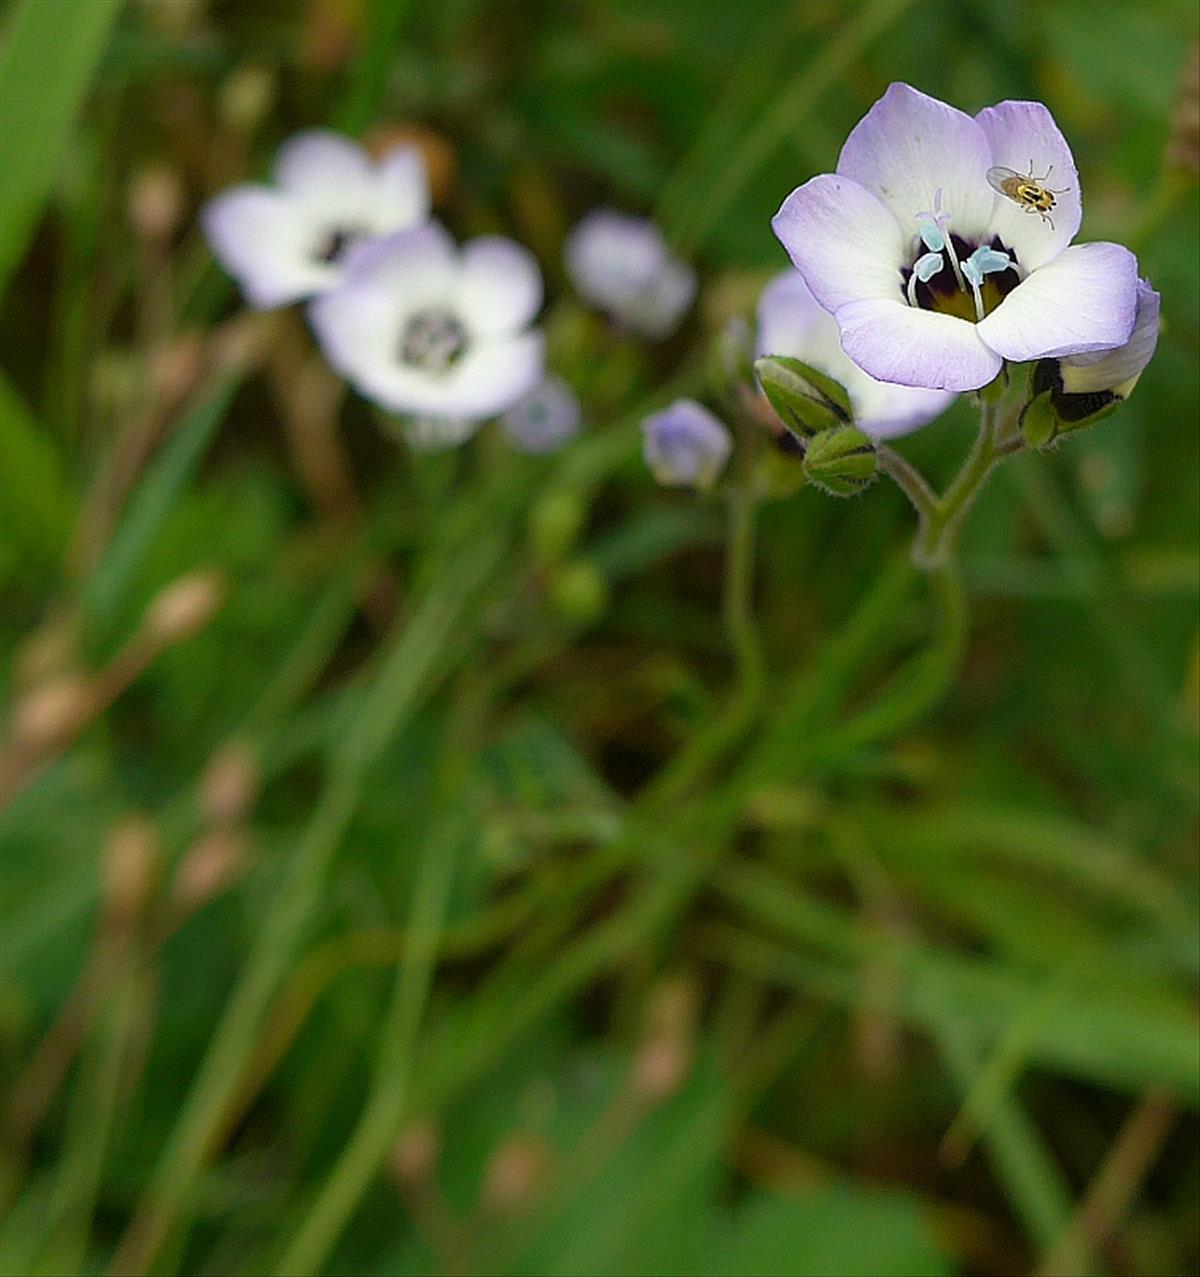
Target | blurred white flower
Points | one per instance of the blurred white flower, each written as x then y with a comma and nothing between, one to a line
432,434
291,240
622,265
426,329
685,445
545,419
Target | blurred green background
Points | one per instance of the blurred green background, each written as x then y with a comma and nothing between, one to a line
414,886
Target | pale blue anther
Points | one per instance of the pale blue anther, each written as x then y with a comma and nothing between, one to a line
986,261
970,269
932,237
927,266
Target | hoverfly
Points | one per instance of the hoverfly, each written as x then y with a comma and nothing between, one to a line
1029,192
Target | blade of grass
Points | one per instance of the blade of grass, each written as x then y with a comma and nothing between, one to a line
786,113
153,500
364,94
50,54
1032,1180
411,667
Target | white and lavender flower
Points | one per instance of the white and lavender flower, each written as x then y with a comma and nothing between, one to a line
622,265
1083,386
291,240
935,275
544,419
685,445
428,330
791,322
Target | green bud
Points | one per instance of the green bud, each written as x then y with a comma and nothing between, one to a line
806,400
1039,425
578,592
842,461
1056,410
555,523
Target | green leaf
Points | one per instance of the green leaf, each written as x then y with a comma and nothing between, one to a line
837,1229
51,51
38,508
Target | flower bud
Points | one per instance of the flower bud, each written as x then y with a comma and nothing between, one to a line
661,1067
685,445
155,204
49,716
543,420
246,97
129,868
229,785
515,1170
184,607
841,461
805,400
211,864
414,1156
175,370
579,592
555,523
1071,393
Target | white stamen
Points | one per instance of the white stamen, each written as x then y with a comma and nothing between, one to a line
975,277
924,269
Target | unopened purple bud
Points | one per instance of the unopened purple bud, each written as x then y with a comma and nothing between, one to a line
685,445
545,419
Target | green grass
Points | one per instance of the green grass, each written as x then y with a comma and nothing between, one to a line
600,879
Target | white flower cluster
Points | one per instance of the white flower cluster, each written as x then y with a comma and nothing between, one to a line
437,333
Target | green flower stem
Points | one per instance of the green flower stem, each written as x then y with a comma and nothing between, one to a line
741,629
910,480
923,681
94,1109
381,1118
938,532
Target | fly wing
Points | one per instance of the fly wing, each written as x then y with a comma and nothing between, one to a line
999,177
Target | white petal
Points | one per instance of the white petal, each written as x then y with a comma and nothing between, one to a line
842,240
401,190
358,327
491,377
1117,369
487,381
908,147
887,411
790,322
419,266
912,347
1023,137
320,161
1085,299
266,241
613,258
500,287
660,308
787,313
